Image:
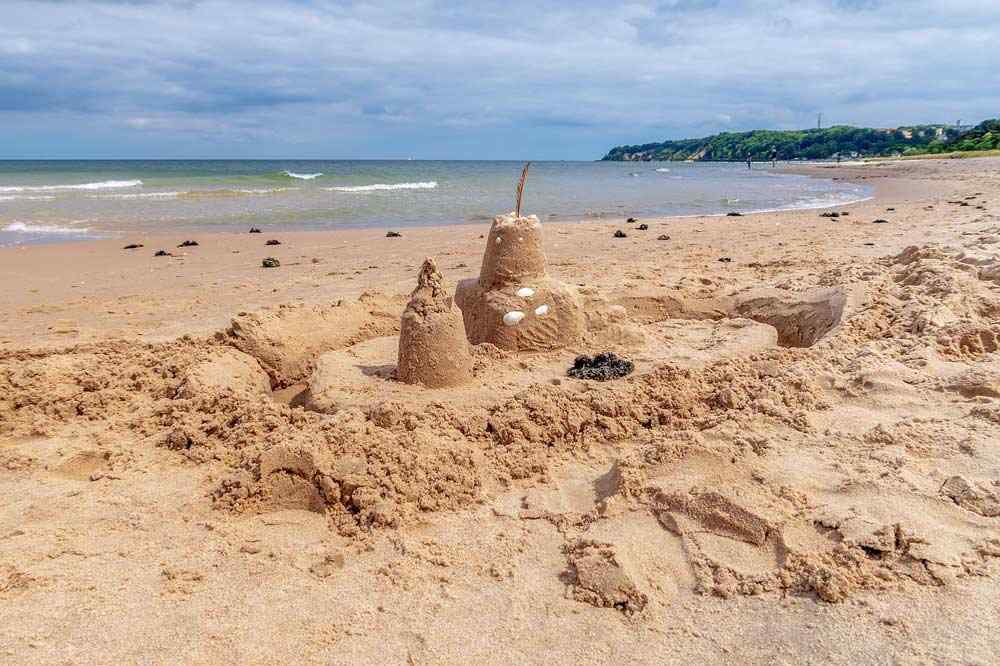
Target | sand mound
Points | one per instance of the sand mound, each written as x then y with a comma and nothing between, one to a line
600,580
983,501
433,349
351,377
40,392
287,341
224,369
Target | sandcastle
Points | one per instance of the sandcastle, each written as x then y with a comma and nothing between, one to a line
433,349
514,304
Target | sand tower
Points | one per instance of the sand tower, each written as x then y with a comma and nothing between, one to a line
515,304
433,348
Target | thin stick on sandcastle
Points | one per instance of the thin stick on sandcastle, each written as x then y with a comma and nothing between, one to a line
520,189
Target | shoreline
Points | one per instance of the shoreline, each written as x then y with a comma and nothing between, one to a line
25,230
62,284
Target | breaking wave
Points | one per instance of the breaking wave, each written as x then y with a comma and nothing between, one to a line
144,195
21,227
381,187
103,185
303,176
26,197
193,194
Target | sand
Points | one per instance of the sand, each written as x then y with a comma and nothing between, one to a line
203,460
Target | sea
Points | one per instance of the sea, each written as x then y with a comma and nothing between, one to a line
63,200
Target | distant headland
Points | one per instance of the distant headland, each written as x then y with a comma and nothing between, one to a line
841,141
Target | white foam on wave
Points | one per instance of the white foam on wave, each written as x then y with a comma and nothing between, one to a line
102,185
191,193
24,228
26,197
268,190
663,170
303,176
381,187
144,195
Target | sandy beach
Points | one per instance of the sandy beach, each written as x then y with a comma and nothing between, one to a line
205,460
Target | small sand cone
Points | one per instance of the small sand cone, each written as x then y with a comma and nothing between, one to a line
514,304
433,348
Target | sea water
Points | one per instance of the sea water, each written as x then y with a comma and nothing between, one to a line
46,201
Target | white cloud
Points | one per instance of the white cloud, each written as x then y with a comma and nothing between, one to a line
368,77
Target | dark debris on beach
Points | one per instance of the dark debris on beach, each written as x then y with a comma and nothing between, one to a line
602,367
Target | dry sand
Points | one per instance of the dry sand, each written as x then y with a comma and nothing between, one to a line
804,468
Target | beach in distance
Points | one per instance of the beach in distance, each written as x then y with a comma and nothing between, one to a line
55,201
207,457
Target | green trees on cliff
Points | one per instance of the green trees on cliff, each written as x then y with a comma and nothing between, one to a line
830,142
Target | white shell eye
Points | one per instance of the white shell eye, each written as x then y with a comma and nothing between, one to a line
513,318
525,292
542,310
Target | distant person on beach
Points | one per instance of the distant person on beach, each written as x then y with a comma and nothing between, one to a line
749,163
774,157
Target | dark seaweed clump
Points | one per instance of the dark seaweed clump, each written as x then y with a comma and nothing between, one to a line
602,367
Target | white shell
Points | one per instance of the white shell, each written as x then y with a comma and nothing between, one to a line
525,292
542,310
499,240
513,318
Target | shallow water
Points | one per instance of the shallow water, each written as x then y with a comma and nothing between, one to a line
46,201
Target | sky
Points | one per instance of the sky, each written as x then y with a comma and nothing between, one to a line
510,79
